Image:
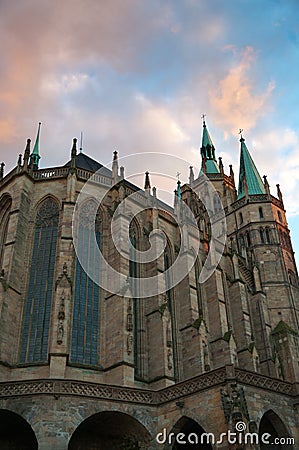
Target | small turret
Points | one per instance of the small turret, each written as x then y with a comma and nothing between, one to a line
279,194
26,156
74,153
115,167
147,184
266,185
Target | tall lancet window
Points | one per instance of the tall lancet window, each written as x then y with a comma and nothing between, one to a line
195,290
172,346
134,269
38,302
5,206
85,327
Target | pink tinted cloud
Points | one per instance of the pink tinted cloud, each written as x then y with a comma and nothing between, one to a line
235,103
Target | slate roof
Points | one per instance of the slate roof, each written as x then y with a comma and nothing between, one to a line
87,163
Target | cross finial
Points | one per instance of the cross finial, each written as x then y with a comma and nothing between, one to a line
240,133
203,116
81,141
178,175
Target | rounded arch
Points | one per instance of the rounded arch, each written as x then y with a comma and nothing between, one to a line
15,432
195,437
272,424
110,430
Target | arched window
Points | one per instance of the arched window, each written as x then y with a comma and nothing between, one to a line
195,291
279,216
5,207
267,233
248,238
85,328
38,302
262,238
241,218
171,307
134,272
261,213
241,241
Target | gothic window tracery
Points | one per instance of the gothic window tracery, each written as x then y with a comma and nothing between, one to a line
85,326
38,302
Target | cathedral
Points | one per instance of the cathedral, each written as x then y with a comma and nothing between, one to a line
105,347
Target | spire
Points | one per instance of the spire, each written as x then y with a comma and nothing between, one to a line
35,156
179,191
147,184
115,167
26,155
208,150
74,153
248,172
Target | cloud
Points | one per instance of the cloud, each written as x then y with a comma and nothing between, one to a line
235,103
276,154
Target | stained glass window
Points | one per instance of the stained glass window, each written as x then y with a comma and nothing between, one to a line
38,301
85,327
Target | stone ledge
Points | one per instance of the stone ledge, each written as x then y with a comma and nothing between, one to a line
202,382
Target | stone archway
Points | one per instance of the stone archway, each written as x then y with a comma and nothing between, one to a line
110,430
272,424
15,432
192,432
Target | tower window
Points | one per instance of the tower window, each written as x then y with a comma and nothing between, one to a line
262,236
267,232
217,202
248,238
241,217
261,213
279,216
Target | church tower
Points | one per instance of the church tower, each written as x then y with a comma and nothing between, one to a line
259,234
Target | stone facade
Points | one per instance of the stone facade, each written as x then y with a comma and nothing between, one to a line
85,367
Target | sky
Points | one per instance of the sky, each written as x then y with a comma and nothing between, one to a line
136,76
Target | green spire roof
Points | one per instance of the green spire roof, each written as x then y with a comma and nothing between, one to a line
248,171
35,156
208,152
